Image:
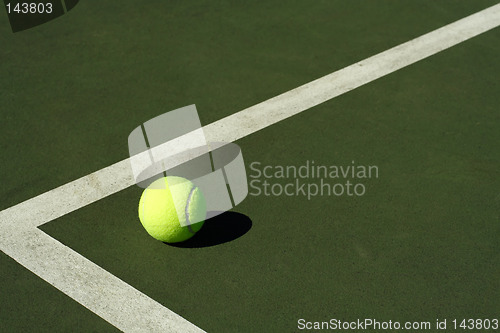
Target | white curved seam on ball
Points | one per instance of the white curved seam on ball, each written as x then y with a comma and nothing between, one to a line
169,192
144,204
187,209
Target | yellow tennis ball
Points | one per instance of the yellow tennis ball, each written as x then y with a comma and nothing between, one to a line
170,207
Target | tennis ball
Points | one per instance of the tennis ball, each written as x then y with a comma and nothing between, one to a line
169,206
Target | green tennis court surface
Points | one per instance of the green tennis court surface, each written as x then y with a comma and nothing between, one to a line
421,244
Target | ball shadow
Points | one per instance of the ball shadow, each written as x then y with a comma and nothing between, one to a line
220,229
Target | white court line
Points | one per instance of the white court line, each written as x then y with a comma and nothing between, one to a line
117,302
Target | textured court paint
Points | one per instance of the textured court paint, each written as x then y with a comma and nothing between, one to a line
106,295
278,108
55,263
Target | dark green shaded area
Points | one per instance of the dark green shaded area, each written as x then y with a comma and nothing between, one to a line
22,17
421,244
70,4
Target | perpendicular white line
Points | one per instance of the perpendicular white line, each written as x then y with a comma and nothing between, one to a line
82,280
111,298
